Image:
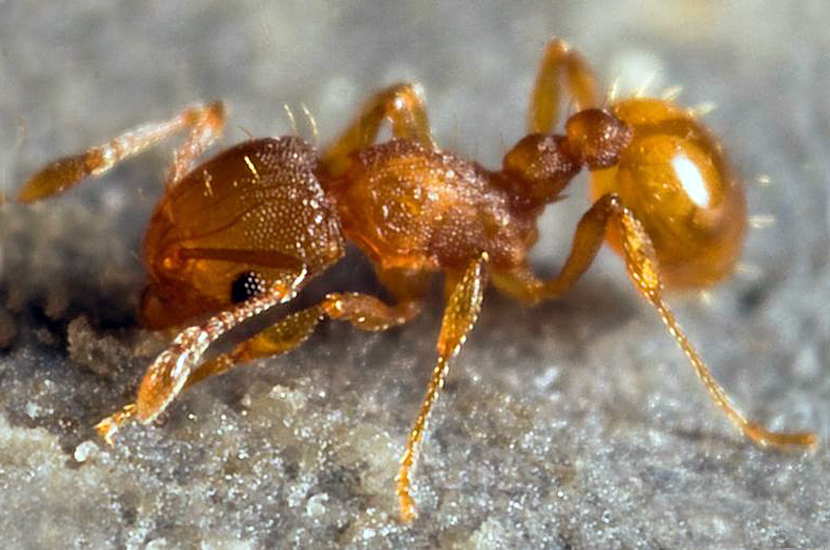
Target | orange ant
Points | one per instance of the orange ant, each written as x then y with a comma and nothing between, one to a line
243,232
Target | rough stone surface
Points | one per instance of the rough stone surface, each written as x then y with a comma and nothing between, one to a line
577,424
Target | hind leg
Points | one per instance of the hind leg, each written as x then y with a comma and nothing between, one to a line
643,271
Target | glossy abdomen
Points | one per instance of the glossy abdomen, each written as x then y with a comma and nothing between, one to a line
675,179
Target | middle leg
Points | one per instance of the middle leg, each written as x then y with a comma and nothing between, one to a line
460,314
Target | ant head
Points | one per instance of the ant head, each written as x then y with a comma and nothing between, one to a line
596,138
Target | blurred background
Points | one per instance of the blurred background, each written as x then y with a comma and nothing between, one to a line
576,424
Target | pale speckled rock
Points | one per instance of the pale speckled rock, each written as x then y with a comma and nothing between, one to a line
576,424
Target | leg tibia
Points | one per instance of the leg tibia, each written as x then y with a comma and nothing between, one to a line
460,314
642,267
166,378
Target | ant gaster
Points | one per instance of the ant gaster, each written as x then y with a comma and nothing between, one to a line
247,229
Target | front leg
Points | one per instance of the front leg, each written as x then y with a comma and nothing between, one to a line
167,376
362,311
178,368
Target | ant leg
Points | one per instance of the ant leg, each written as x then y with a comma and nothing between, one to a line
167,376
641,264
205,121
362,311
588,237
402,104
460,315
545,98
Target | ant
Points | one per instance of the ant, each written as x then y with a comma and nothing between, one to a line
244,231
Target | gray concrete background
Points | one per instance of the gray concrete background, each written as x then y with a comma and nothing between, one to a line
577,424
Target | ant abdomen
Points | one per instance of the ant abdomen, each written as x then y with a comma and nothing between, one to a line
675,179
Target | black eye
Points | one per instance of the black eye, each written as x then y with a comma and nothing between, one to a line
246,284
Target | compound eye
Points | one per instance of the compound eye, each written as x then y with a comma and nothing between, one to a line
246,285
